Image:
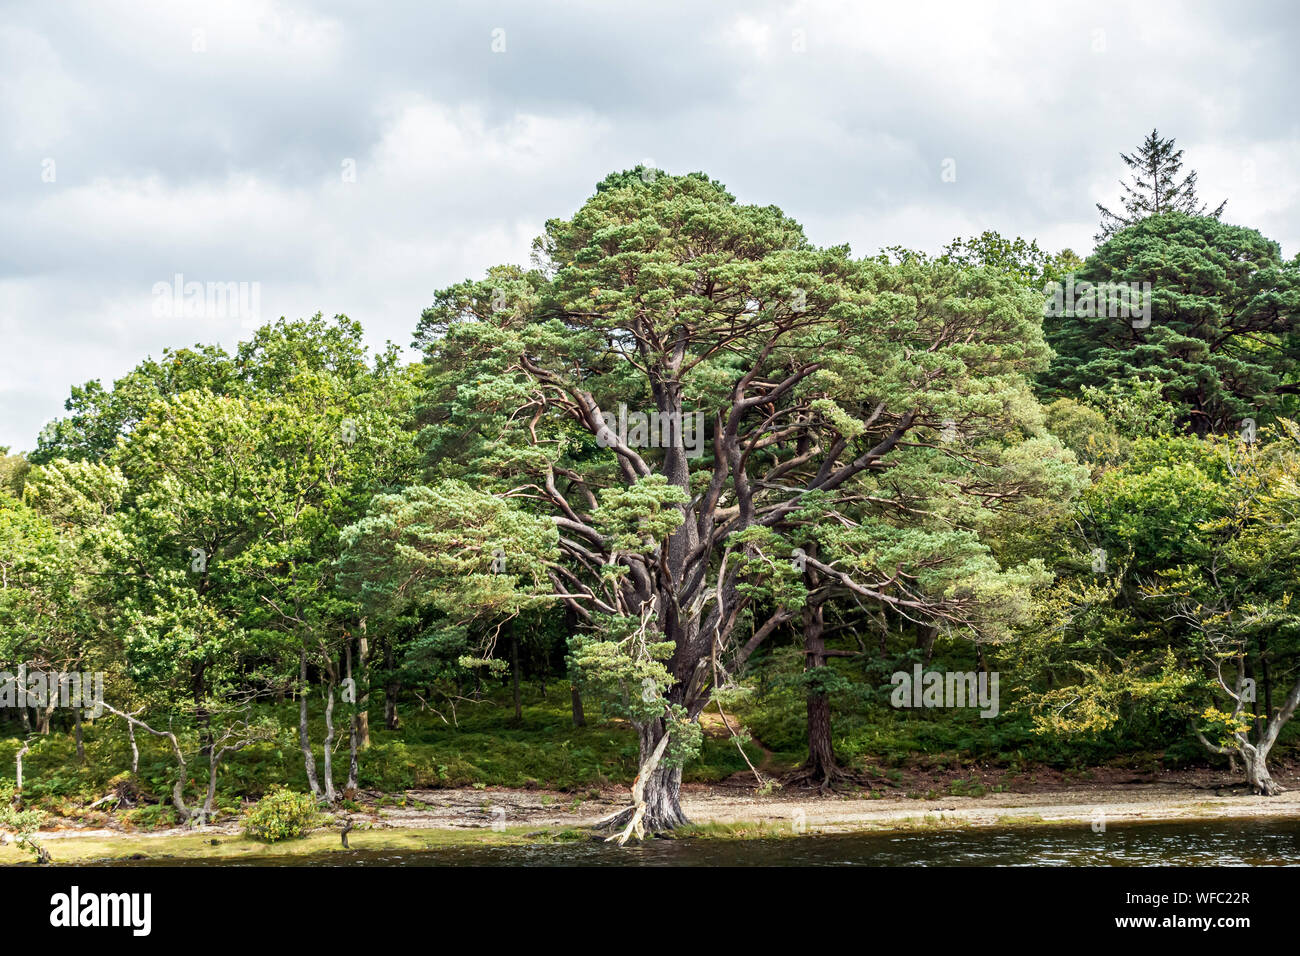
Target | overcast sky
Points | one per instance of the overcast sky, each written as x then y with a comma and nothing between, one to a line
355,157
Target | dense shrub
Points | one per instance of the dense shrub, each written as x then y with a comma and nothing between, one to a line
281,815
23,823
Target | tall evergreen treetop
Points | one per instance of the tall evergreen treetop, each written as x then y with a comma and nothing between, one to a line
1156,188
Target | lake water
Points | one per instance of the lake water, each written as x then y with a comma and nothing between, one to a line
1266,841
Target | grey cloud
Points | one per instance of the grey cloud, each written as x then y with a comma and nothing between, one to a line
224,164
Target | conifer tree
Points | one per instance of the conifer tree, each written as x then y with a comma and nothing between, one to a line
1155,189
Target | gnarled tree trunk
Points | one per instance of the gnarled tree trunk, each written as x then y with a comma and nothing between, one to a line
661,789
656,794
822,767
1254,755
178,785
1261,782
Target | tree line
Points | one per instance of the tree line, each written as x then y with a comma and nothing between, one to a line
899,453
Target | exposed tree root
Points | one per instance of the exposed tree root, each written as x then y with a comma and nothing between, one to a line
825,780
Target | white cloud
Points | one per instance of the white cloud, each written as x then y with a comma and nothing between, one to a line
39,100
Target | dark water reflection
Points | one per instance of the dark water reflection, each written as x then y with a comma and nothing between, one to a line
1272,841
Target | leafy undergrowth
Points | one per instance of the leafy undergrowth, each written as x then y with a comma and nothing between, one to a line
484,747
893,745
910,753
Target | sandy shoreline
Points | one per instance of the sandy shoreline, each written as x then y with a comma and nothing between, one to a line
475,809
457,809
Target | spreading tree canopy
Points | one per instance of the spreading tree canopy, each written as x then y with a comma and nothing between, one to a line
815,377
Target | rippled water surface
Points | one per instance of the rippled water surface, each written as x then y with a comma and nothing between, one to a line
1273,841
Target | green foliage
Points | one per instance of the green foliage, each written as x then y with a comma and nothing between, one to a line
23,823
448,546
627,670
639,517
282,815
1221,338
1197,593
13,472
1135,409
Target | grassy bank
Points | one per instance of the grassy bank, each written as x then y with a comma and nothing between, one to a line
231,848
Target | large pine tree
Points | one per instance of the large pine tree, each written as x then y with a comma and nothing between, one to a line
1155,188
